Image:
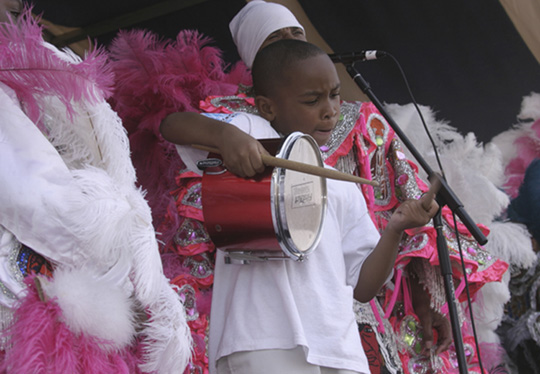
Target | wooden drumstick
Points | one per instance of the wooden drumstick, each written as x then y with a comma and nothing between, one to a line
301,167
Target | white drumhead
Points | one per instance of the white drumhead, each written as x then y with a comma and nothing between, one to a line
300,198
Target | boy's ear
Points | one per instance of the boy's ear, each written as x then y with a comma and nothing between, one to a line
265,107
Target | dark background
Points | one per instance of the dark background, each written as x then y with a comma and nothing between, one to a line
463,58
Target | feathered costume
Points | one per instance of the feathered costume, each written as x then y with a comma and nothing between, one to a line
520,329
475,173
68,195
153,79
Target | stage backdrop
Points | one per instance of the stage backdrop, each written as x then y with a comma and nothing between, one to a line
463,58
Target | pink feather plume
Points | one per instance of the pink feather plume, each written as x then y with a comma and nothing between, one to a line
155,78
42,344
29,67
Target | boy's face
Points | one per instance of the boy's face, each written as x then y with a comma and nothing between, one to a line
308,100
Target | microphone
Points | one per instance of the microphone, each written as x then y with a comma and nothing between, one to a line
352,57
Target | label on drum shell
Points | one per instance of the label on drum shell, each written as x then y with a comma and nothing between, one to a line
209,163
302,195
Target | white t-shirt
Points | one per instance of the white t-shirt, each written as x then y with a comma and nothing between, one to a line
284,304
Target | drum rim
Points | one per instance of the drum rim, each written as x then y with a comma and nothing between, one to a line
279,220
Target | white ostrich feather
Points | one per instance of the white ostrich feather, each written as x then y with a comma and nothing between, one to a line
92,304
505,140
530,112
115,261
471,170
530,107
167,345
489,310
511,242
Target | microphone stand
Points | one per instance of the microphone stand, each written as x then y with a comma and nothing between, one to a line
445,196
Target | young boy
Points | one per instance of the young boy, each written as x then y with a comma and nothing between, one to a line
285,316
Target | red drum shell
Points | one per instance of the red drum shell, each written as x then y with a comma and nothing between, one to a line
237,212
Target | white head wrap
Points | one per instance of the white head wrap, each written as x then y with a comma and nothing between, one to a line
254,23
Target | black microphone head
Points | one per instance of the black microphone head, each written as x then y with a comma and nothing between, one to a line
352,57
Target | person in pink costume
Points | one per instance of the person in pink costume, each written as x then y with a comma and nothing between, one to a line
83,289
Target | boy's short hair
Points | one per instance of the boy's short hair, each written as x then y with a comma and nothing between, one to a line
273,60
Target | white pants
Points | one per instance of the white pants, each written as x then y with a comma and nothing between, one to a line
272,361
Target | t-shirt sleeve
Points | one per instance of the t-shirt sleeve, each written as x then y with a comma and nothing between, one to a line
251,124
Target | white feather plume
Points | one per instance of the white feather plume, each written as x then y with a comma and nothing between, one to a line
471,170
115,263
530,112
167,344
511,242
530,107
488,310
93,305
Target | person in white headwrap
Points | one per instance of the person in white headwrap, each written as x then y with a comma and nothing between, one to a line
260,23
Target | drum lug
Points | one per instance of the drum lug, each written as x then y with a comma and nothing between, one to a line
235,261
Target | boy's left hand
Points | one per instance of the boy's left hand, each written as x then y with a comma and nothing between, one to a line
415,213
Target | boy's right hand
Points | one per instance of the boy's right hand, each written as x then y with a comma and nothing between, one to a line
241,153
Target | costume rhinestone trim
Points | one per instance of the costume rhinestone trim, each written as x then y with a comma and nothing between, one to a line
190,232
350,112
15,269
193,196
233,104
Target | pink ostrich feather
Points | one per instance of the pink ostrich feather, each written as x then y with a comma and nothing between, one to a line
42,344
154,78
33,70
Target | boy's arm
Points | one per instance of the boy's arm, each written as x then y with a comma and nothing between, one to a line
240,151
379,264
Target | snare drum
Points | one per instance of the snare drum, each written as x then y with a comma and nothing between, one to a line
277,215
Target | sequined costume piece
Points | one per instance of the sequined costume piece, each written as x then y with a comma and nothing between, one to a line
189,260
